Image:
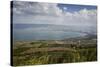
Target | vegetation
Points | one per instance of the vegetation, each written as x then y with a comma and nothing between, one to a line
52,52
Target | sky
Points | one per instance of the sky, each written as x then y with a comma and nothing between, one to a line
54,13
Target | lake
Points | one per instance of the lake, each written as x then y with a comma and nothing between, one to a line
43,32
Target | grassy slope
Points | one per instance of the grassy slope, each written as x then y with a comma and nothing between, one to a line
52,52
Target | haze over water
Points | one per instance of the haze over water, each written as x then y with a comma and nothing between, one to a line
44,32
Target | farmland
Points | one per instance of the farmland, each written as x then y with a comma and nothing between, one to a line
54,51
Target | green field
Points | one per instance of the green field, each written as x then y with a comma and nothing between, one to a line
54,51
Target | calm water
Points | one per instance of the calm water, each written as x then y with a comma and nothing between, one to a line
43,32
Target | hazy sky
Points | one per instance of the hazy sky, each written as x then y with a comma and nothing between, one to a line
54,13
